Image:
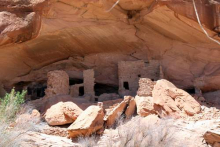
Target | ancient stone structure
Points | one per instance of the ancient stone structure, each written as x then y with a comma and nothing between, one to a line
77,90
57,83
86,88
145,87
35,90
89,82
130,72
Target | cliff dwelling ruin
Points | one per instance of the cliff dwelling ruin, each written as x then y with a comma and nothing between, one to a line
130,72
99,68
60,83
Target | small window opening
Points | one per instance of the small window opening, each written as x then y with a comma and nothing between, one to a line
139,76
126,85
81,91
152,79
96,99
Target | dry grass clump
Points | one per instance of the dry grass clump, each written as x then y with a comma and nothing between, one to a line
141,132
137,132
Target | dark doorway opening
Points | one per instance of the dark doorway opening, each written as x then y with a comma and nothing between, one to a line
104,88
41,91
75,81
81,91
190,90
126,85
35,90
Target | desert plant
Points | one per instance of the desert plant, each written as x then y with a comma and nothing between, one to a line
11,104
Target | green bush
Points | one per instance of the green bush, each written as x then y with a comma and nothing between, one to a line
11,104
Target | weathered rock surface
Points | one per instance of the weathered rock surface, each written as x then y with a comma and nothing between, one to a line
108,96
212,97
90,121
109,103
33,139
145,105
56,131
114,113
130,110
62,113
174,101
71,110
213,137
34,117
57,83
145,87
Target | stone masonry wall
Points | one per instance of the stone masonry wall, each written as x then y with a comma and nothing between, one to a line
131,71
89,82
57,83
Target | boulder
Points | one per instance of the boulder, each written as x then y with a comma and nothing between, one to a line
115,111
89,121
145,87
145,106
34,117
130,108
212,97
71,110
213,137
107,104
173,101
62,113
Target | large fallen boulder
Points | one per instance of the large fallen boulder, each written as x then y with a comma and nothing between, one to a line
89,121
170,100
130,108
145,105
116,111
62,113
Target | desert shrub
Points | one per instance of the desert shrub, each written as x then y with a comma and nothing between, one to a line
11,104
12,108
140,133
136,132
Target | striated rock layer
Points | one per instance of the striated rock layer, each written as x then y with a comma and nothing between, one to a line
37,36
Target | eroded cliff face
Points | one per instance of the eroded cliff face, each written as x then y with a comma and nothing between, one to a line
38,36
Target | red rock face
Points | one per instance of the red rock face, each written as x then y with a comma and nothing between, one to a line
36,34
